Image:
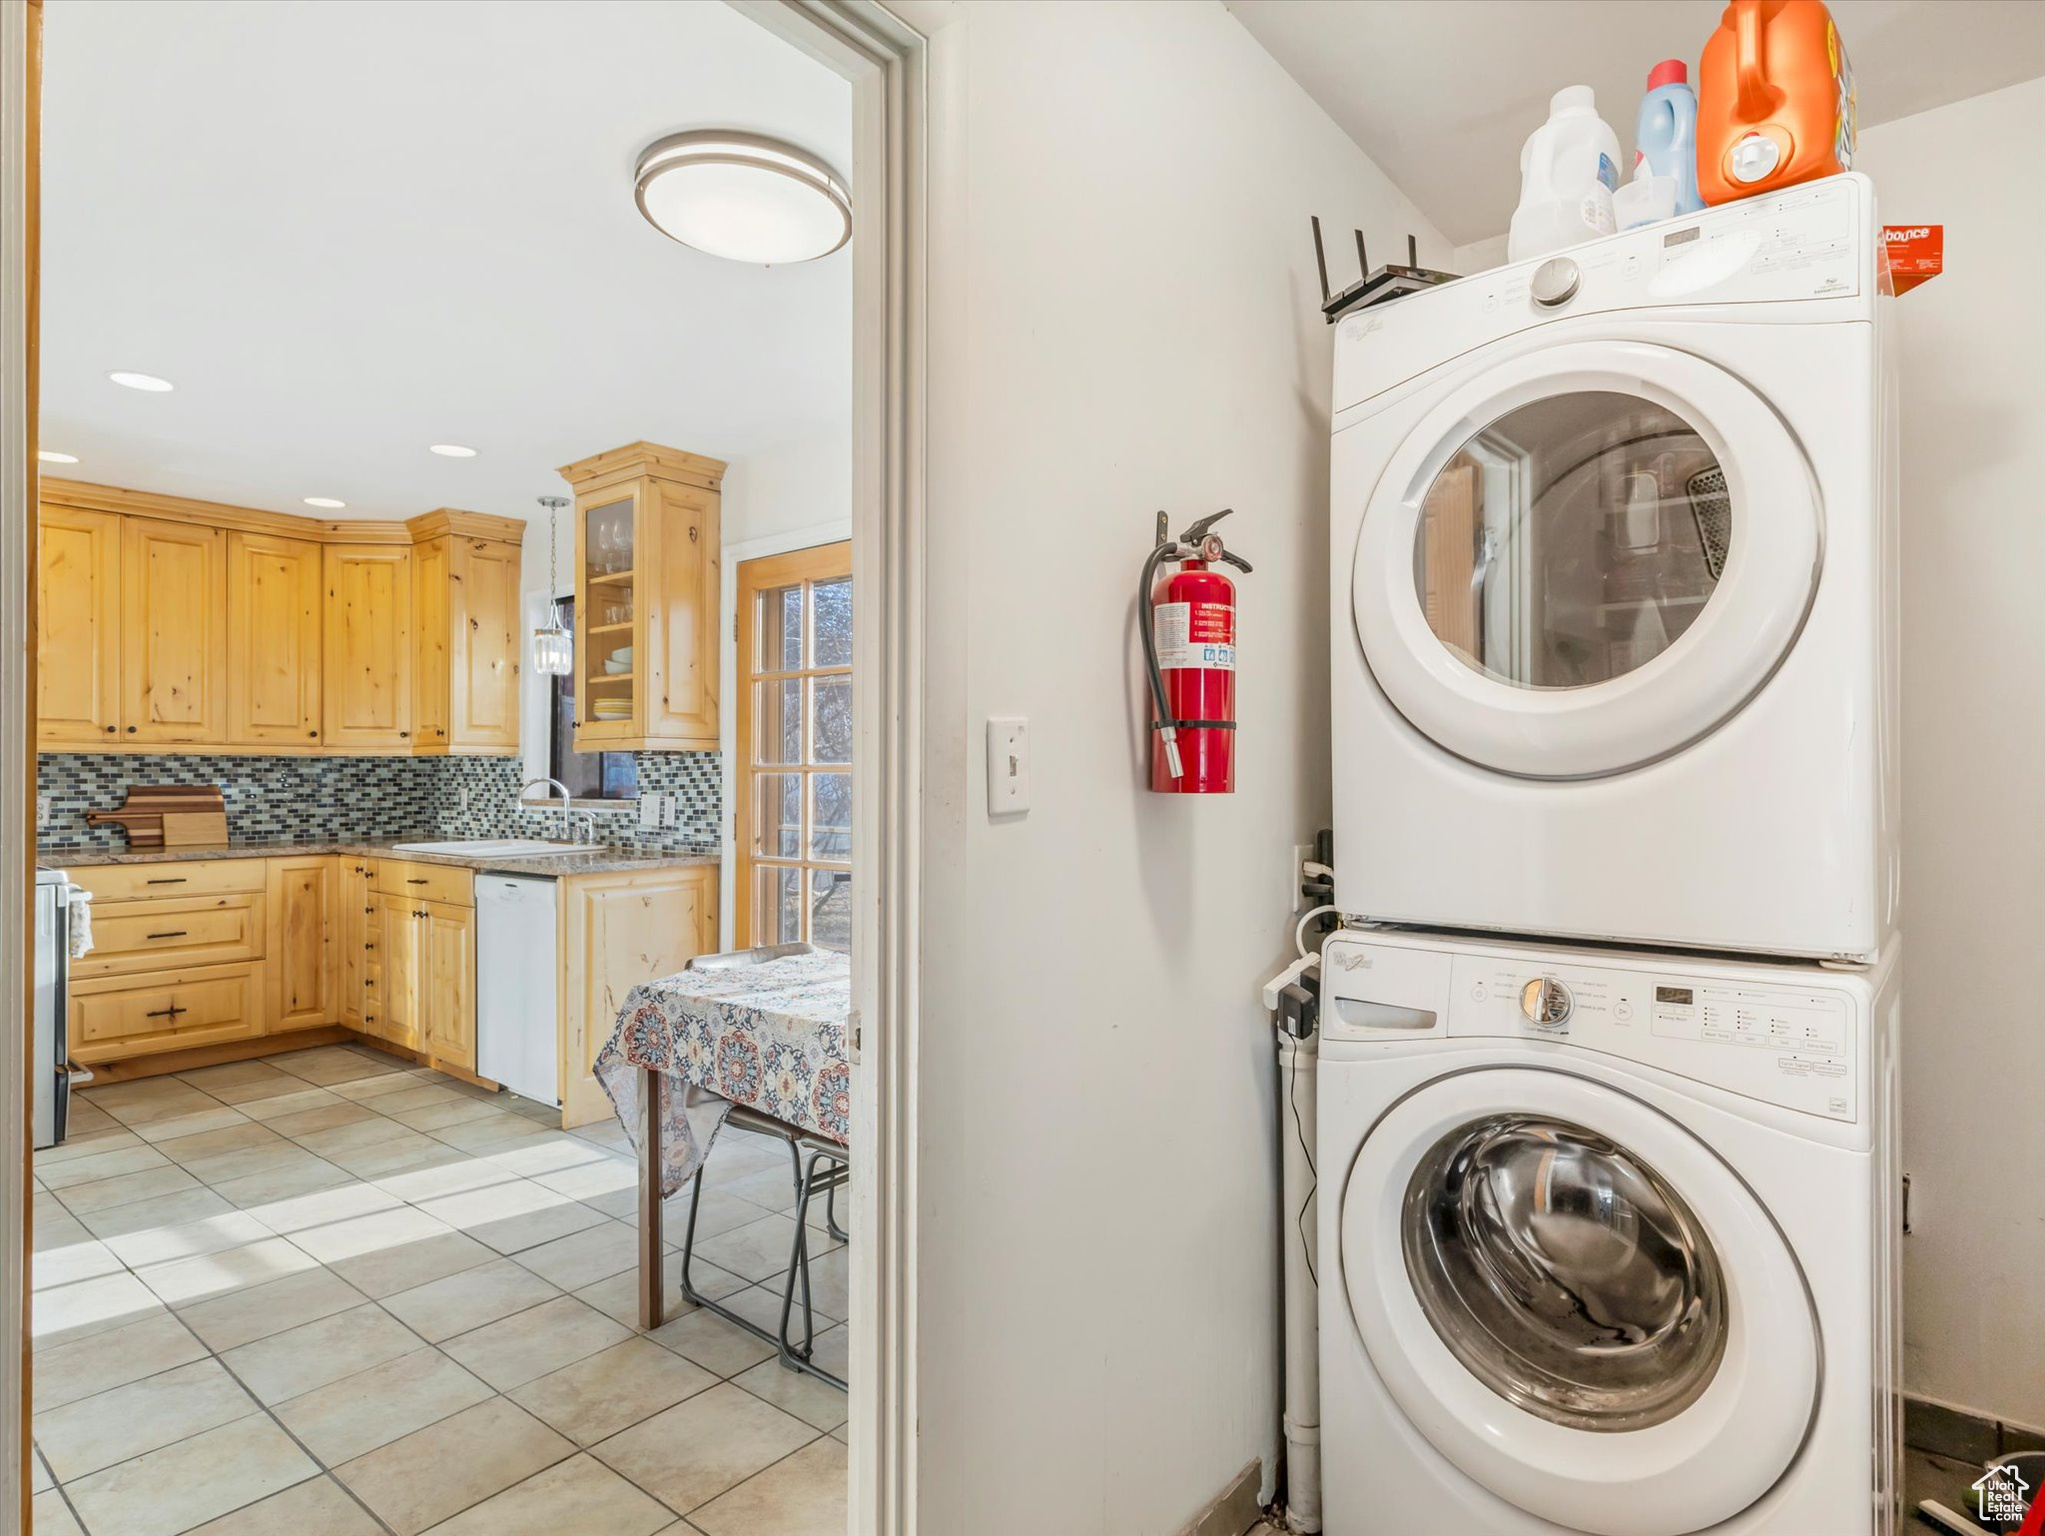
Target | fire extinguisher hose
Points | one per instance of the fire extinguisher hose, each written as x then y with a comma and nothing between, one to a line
1166,727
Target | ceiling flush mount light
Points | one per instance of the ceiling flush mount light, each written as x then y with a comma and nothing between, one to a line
324,501
51,456
743,197
553,647
452,451
143,381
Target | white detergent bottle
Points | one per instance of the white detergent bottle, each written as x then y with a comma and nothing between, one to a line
1569,168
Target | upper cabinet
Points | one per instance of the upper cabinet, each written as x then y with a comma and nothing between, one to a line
173,632
646,591
466,616
273,640
369,646
78,655
175,626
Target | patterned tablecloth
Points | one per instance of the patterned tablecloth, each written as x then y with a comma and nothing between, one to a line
771,1036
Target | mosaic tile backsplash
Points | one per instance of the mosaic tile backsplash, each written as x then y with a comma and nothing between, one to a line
335,798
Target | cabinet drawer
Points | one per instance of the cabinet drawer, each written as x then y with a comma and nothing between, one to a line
194,877
119,1016
176,931
426,882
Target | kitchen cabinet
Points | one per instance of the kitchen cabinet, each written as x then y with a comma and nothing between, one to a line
368,647
78,628
274,640
618,930
646,596
173,632
177,960
302,895
390,1006
354,939
466,661
447,984
168,625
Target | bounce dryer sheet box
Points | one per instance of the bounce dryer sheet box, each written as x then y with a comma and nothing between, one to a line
1916,253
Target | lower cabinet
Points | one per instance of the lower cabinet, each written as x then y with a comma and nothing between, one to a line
302,897
354,937
116,1016
618,930
420,979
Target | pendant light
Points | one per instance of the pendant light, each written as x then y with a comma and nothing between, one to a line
553,646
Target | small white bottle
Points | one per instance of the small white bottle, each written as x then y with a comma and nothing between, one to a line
1569,168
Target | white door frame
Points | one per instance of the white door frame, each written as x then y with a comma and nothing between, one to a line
884,60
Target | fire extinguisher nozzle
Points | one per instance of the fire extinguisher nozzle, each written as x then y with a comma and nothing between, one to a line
1169,739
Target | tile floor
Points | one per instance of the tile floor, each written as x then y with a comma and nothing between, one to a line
333,1294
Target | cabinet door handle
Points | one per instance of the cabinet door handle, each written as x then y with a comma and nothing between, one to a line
112,729
172,933
419,881
165,1013
369,981
403,734
131,730
168,880
313,735
369,946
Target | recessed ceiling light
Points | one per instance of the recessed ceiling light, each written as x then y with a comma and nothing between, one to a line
51,456
324,501
743,197
453,451
146,381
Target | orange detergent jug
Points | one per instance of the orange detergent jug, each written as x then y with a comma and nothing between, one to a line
1775,100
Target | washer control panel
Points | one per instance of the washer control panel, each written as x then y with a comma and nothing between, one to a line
1789,1045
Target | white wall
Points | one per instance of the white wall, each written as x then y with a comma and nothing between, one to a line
1126,320
1973,464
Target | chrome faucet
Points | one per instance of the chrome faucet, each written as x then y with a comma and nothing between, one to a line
567,805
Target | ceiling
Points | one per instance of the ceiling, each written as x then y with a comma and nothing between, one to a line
1442,94
349,229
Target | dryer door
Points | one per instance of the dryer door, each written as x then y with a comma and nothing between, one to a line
1578,1303
1585,557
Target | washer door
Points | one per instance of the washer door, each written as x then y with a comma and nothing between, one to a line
1585,558
1578,1303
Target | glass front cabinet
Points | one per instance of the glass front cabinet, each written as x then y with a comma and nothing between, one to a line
646,598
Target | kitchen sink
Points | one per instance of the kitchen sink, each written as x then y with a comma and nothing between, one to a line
498,848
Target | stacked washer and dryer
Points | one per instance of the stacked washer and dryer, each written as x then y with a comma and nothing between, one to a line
1608,1204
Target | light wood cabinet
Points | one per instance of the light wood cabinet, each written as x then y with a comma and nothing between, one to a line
173,632
117,1016
353,939
172,931
78,651
618,930
168,625
488,645
274,640
646,596
391,1006
369,646
302,895
447,984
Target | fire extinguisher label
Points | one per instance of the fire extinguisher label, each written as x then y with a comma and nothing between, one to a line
1196,635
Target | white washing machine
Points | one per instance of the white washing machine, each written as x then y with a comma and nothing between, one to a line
1614,590
1607,1243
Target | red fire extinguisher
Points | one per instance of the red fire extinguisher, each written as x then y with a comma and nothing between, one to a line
1189,642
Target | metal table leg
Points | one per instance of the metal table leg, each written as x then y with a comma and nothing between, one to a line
650,1209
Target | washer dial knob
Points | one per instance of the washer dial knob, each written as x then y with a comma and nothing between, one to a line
1546,1003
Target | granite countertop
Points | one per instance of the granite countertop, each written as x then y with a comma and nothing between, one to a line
601,861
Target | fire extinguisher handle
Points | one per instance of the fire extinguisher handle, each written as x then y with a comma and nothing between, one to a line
1237,561
1198,531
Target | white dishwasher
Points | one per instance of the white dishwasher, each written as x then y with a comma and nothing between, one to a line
518,1004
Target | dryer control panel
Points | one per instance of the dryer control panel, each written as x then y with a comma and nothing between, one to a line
1813,241
1796,1043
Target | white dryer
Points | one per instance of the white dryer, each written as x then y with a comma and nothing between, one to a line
1614,590
1607,1243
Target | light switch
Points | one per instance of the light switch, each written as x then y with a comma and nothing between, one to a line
1008,765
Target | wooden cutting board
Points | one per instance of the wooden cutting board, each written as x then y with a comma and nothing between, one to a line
198,812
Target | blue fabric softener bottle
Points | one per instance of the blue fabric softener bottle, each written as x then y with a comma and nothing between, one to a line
1666,136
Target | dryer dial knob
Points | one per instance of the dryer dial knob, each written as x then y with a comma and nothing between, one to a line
1555,282
1546,1003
